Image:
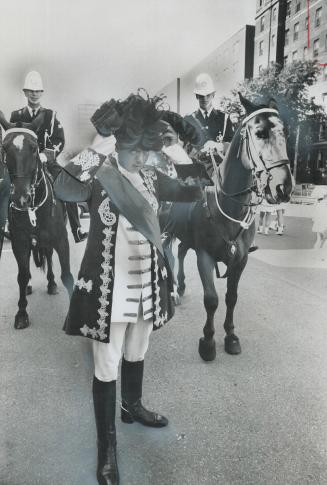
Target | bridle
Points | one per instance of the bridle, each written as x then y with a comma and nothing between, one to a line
37,179
260,172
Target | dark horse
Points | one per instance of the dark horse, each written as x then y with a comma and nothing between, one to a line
36,218
221,227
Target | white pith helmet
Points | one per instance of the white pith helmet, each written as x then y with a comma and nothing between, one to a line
33,81
204,84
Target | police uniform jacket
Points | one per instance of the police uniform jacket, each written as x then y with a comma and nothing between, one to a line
214,126
51,134
123,266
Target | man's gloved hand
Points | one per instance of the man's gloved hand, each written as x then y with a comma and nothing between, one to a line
210,146
106,119
43,157
104,145
177,154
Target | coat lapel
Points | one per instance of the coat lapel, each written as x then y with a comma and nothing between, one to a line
131,204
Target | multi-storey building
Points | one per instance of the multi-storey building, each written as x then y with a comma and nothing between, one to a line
269,33
228,64
290,30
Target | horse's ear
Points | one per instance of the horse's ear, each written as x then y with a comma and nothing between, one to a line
4,123
273,104
247,105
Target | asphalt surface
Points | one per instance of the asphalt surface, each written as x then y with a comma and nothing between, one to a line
259,418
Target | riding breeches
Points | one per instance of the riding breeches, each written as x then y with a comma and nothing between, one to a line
131,338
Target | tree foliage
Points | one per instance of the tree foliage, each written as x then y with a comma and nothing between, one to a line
289,86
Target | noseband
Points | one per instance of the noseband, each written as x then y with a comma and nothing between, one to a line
38,177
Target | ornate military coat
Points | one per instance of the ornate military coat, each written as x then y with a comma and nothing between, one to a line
111,272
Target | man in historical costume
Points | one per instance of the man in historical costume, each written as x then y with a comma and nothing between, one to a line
124,284
51,140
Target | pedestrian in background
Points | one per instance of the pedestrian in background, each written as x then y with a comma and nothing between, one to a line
320,216
266,212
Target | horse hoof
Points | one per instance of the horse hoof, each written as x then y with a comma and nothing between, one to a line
29,290
180,291
207,349
177,299
21,321
232,345
53,289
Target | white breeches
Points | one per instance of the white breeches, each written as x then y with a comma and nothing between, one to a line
133,338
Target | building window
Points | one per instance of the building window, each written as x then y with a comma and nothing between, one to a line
305,52
261,48
260,68
260,3
324,100
318,17
287,36
285,60
273,40
288,9
298,6
274,14
294,56
262,23
296,31
306,23
316,48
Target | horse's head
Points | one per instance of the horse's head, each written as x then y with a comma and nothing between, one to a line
21,158
266,152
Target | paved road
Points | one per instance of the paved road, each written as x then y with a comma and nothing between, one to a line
255,419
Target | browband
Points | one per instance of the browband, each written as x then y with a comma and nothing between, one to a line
258,111
19,130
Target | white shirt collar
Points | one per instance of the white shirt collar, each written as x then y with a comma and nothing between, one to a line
135,178
30,110
208,112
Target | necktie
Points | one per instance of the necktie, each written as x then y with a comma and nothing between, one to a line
33,113
206,117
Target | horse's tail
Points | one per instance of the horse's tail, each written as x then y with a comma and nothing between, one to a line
39,257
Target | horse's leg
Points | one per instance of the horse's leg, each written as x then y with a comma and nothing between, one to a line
206,265
232,343
22,256
62,248
52,285
168,250
182,251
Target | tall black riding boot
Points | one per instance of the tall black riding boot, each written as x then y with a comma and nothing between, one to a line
132,408
104,399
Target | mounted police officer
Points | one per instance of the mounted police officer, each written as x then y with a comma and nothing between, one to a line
51,139
214,124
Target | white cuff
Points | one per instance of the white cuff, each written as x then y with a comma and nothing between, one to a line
177,154
104,145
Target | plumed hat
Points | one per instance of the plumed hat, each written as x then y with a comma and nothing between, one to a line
140,122
135,122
